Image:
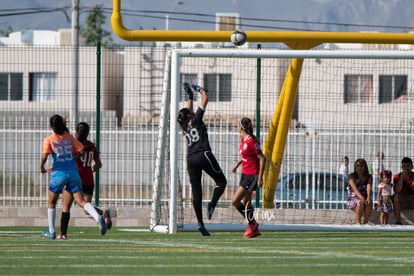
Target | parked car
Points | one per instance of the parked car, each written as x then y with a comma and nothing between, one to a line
312,190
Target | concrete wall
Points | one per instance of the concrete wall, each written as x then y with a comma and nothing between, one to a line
134,217
38,217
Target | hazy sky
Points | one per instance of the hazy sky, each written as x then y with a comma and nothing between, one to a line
296,15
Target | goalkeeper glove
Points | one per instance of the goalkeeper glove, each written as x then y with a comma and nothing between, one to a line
198,88
188,91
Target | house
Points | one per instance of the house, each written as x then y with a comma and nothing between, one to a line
38,70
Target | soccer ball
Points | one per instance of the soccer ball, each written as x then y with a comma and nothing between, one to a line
238,37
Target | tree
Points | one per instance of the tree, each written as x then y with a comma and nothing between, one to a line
6,32
94,31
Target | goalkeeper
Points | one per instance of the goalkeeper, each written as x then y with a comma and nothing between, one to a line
199,155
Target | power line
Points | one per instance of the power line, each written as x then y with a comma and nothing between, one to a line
144,14
202,18
25,11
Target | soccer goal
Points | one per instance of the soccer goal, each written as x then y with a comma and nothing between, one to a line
346,103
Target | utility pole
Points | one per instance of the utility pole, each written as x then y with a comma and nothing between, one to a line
75,62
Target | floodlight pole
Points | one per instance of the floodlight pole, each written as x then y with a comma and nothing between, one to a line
167,17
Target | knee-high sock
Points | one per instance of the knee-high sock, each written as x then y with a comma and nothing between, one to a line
247,213
250,214
241,209
91,211
64,222
51,218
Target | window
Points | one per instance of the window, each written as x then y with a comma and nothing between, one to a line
219,87
358,89
392,88
42,87
11,86
191,79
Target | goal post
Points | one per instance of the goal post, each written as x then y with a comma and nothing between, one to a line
354,85
213,66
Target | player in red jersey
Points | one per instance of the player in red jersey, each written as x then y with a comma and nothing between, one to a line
88,163
253,163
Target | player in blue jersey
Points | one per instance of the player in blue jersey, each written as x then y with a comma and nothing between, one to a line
199,155
64,148
87,163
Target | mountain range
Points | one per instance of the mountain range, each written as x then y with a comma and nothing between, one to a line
298,15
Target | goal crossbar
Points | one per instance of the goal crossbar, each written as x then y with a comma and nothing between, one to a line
250,53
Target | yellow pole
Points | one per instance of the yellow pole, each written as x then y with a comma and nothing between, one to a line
289,38
268,150
288,97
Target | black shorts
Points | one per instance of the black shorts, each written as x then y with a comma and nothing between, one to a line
249,182
87,189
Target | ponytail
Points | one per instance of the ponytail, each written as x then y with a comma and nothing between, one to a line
183,118
58,124
247,125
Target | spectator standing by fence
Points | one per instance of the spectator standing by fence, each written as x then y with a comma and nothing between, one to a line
344,169
359,198
378,166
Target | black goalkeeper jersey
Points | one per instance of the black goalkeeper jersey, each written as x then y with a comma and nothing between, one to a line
196,134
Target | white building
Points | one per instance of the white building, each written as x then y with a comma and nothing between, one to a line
37,72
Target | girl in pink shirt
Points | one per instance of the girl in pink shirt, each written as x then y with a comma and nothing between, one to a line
384,196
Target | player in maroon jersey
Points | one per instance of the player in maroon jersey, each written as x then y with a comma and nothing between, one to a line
88,163
253,163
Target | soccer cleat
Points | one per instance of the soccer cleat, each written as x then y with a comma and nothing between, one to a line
203,231
255,225
61,237
251,230
102,225
210,210
108,221
48,235
198,88
398,223
188,91
252,234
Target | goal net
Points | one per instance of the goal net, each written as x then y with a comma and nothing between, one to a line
348,103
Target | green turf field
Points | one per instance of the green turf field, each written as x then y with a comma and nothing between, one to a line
24,252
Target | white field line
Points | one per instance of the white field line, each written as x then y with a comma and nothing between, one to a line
213,246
